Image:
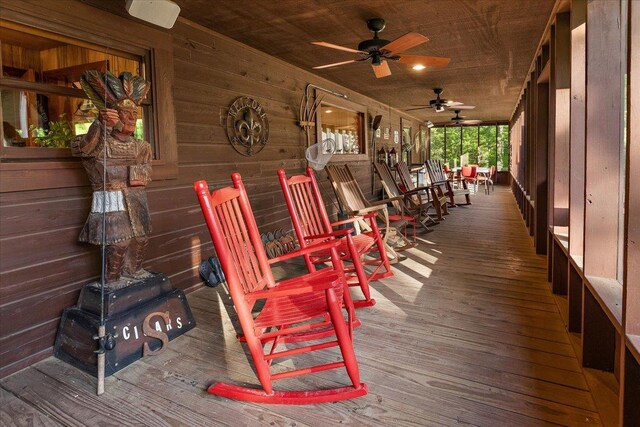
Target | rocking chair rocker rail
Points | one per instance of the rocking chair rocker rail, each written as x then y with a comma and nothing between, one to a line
290,305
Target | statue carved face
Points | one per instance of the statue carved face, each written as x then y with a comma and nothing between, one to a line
128,117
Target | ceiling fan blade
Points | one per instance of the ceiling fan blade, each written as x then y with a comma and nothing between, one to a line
470,122
405,42
426,61
335,64
381,70
335,46
424,107
465,107
452,104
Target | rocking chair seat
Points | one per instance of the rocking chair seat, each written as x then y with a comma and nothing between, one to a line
362,242
290,309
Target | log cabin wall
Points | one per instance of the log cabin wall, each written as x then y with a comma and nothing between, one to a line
43,267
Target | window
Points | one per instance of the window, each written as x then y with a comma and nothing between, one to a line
344,127
485,145
343,121
43,104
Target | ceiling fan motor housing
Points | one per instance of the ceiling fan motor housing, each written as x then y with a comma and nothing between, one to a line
372,45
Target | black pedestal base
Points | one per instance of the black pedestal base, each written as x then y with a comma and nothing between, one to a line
126,310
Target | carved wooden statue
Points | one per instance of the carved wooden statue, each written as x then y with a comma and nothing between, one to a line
110,149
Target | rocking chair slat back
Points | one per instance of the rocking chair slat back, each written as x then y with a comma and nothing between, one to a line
347,188
389,184
241,249
312,217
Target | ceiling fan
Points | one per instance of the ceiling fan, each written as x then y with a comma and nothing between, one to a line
380,51
459,120
440,104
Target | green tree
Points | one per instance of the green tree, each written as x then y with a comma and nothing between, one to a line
487,147
503,147
437,143
470,143
454,146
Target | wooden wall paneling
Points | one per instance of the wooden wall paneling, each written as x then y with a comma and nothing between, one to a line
541,155
577,130
550,244
603,139
560,279
551,151
574,323
562,87
631,391
208,73
598,335
531,151
602,324
632,226
630,399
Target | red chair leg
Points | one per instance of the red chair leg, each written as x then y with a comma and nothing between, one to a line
346,344
363,281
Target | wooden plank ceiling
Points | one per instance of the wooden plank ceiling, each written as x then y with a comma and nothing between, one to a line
490,43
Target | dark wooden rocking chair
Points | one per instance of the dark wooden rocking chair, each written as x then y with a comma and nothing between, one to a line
311,224
292,308
433,193
440,179
356,204
418,210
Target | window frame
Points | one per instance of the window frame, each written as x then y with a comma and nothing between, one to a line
31,168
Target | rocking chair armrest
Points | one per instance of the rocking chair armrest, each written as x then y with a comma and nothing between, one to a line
417,190
337,233
390,199
308,250
347,221
301,287
370,209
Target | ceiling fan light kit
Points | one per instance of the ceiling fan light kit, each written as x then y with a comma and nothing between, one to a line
381,51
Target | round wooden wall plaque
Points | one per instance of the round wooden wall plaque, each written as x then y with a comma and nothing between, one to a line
247,126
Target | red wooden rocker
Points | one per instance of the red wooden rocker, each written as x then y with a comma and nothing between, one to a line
311,224
292,307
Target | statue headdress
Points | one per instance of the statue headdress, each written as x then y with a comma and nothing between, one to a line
108,91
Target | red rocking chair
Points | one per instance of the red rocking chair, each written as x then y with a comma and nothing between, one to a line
295,307
311,224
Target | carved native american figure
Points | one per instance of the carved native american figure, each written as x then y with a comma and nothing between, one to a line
109,146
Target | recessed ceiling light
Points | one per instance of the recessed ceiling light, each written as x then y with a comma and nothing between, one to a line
419,67
328,111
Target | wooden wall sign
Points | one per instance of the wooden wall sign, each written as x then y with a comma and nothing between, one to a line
247,126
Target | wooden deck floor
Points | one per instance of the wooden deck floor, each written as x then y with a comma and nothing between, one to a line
466,333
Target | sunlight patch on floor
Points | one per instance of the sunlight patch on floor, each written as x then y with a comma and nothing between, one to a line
404,285
422,255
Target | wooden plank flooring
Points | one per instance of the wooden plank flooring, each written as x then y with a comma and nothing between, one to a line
466,333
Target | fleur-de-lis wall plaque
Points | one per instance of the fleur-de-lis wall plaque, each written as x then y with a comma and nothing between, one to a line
247,126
